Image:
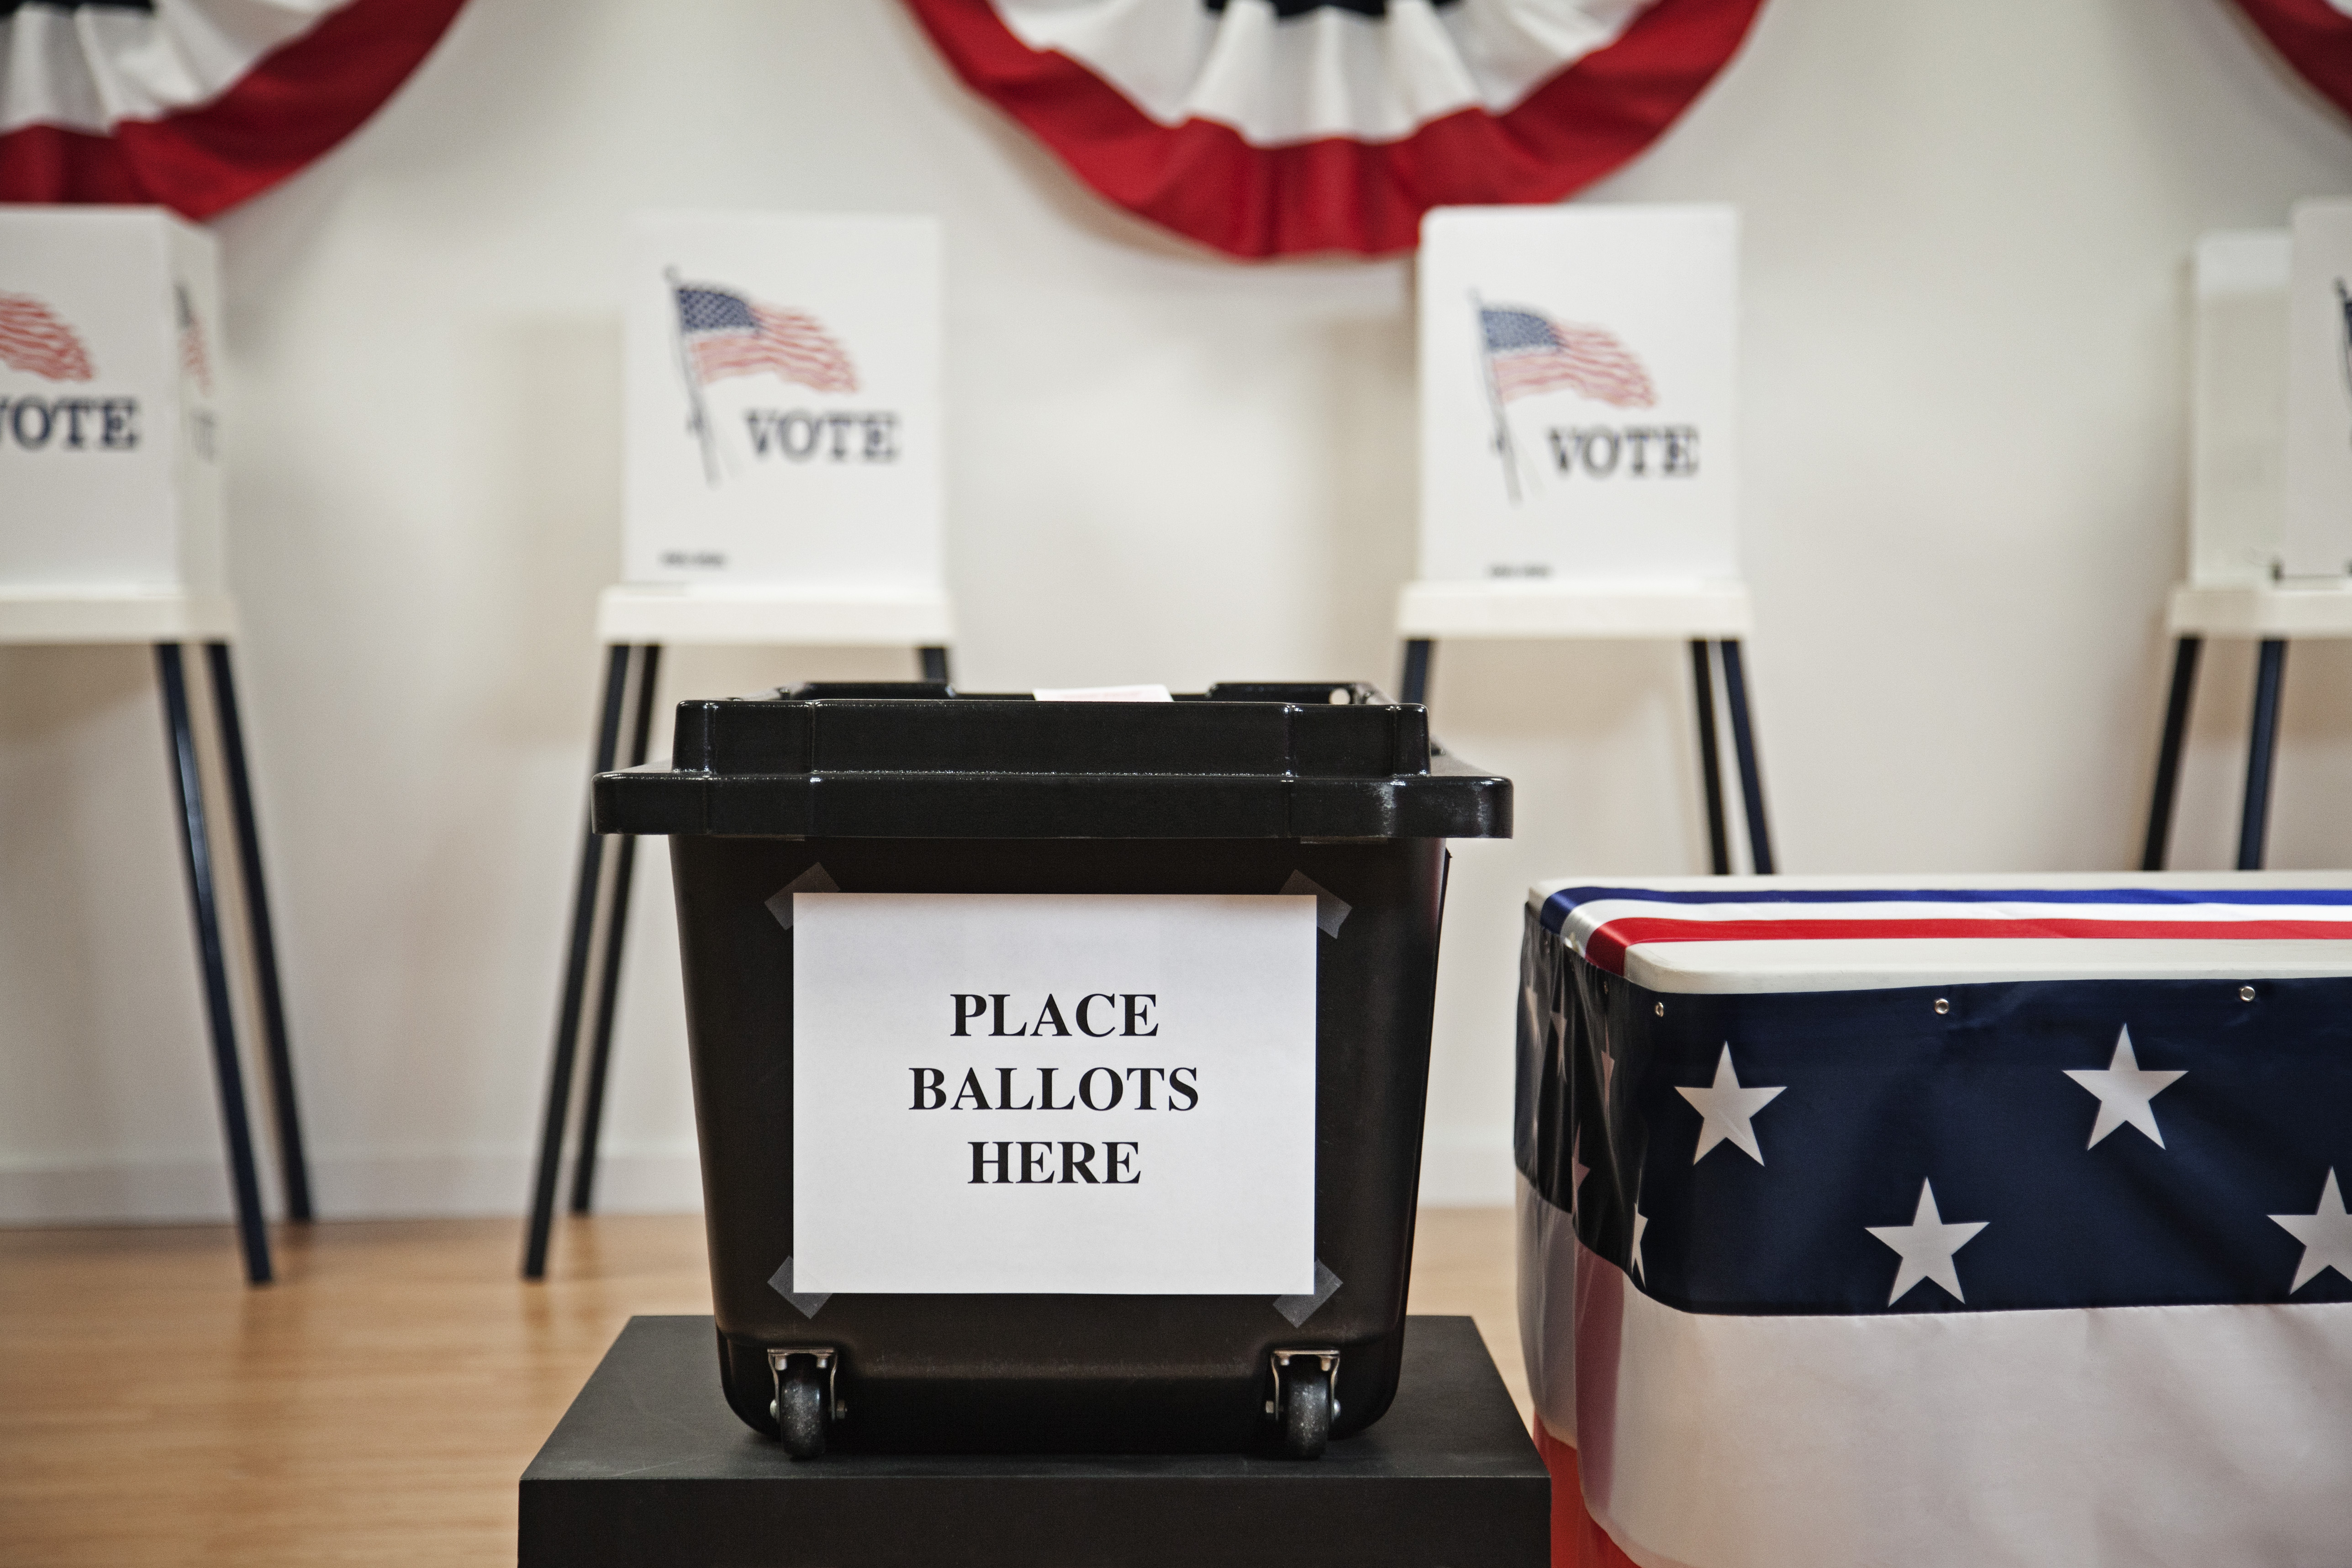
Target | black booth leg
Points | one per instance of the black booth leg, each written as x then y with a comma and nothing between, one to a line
608,973
294,1166
2262,750
575,987
935,663
1416,671
2159,846
1743,748
1710,764
195,848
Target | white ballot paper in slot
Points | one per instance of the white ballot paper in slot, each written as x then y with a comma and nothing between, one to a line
783,402
1053,1094
1578,394
2319,392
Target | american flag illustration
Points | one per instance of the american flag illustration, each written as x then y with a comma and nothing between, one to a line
195,363
1841,1190
723,333
1527,353
728,334
33,339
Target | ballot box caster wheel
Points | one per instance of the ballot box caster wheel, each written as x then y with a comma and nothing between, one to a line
800,1411
1306,1407
1304,1402
804,1406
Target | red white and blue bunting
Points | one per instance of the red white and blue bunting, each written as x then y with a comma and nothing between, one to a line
1277,127
193,104
2315,37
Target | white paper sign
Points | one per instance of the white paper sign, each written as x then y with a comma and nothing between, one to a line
2319,392
110,436
783,401
1064,1094
2237,508
1578,379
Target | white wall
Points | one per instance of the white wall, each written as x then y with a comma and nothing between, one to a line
1965,231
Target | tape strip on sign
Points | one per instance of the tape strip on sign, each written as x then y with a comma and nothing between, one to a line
808,1304
815,879
1298,1309
1330,909
1063,1094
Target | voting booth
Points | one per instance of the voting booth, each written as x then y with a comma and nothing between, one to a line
1979,1219
111,532
1579,447
2270,481
782,407
1059,1066
110,329
782,473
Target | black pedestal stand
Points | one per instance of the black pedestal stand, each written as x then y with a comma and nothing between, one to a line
650,1466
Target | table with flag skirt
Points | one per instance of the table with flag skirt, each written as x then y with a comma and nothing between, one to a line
1967,1220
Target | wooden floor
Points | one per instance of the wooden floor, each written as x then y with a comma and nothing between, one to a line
377,1404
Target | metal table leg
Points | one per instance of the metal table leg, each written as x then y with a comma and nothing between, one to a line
2168,753
1415,685
294,1166
195,848
1743,745
2262,750
616,921
575,987
935,663
1710,766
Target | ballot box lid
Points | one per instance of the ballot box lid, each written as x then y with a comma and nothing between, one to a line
1731,935
1327,760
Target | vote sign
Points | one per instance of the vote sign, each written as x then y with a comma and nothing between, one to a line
1578,380
783,419
110,432
1059,1094
2319,392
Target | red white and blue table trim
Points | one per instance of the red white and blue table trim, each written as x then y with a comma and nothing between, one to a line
2017,1199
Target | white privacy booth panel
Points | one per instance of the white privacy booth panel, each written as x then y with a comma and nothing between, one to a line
1579,388
2318,523
110,425
782,403
2237,507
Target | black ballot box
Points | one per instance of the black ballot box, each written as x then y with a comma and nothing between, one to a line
650,1466
1262,864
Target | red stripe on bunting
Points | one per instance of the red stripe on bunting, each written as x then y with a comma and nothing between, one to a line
1577,1540
1203,180
1606,946
294,105
2316,38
